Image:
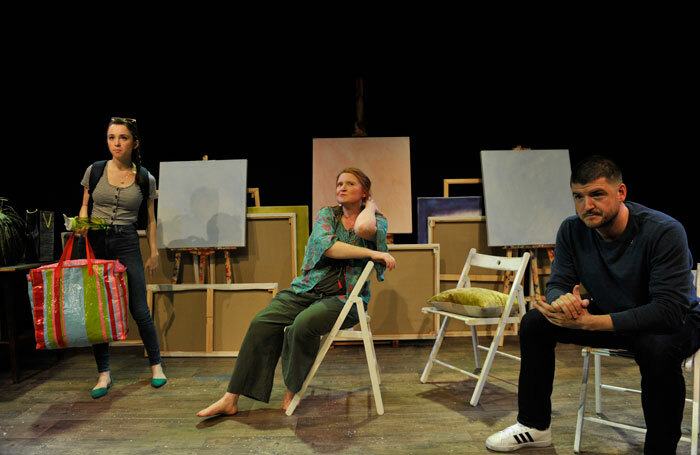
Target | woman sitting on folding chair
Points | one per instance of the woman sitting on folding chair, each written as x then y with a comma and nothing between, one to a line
343,239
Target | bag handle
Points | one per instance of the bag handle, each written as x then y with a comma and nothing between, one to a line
68,251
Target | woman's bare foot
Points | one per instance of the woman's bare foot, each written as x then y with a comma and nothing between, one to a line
287,399
227,405
158,371
103,380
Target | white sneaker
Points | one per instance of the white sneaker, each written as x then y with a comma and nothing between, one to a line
518,436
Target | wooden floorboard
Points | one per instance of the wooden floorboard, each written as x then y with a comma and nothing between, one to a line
51,412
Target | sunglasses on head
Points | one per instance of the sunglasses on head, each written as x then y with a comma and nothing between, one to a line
123,120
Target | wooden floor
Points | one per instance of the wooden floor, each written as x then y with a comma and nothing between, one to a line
51,412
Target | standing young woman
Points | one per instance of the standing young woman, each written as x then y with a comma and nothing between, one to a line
122,192
343,239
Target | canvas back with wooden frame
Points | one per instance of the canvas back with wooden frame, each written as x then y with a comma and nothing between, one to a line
205,320
506,264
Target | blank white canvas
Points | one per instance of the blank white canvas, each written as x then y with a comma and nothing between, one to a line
526,195
202,204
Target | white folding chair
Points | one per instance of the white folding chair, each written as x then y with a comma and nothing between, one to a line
693,361
517,265
363,334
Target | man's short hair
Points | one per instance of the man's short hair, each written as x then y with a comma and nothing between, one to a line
594,167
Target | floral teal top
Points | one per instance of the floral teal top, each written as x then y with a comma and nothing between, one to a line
328,228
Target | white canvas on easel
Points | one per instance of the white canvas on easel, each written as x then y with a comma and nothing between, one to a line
202,204
385,160
526,195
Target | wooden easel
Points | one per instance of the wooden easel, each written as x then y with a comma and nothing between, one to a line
200,263
255,195
447,182
535,294
200,255
534,283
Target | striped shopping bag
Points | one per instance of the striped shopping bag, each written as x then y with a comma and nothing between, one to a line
78,302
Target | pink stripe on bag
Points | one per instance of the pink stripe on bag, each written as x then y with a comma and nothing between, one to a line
99,299
123,303
119,302
110,298
57,307
116,303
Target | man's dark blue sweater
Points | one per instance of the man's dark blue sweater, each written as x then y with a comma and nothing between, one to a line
641,279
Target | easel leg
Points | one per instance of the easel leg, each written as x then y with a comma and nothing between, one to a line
534,275
507,283
202,267
195,267
227,264
176,269
212,268
508,276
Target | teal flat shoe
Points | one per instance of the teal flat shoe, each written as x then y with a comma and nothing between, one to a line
102,391
156,383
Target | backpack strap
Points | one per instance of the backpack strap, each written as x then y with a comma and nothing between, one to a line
98,168
143,210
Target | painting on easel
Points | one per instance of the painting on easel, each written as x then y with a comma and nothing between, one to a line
526,195
387,162
202,204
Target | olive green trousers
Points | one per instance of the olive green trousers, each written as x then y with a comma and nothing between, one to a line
306,317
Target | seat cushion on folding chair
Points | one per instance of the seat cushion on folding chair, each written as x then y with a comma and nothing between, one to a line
473,302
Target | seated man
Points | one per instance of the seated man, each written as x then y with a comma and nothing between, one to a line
636,265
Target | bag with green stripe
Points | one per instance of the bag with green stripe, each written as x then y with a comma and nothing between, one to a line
78,302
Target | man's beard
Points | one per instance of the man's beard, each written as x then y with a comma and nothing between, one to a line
605,221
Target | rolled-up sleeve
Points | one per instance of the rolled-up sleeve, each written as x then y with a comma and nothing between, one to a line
382,228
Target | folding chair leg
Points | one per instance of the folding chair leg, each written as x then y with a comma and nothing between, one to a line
582,403
319,358
696,404
374,356
598,386
475,346
433,353
487,364
371,362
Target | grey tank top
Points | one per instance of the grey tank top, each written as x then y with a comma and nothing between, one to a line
118,206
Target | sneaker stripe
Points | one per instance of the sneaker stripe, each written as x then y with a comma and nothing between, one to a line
527,433
517,439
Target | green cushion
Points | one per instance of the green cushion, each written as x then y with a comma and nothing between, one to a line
477,297
473,302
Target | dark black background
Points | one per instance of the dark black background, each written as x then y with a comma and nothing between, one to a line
637,112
